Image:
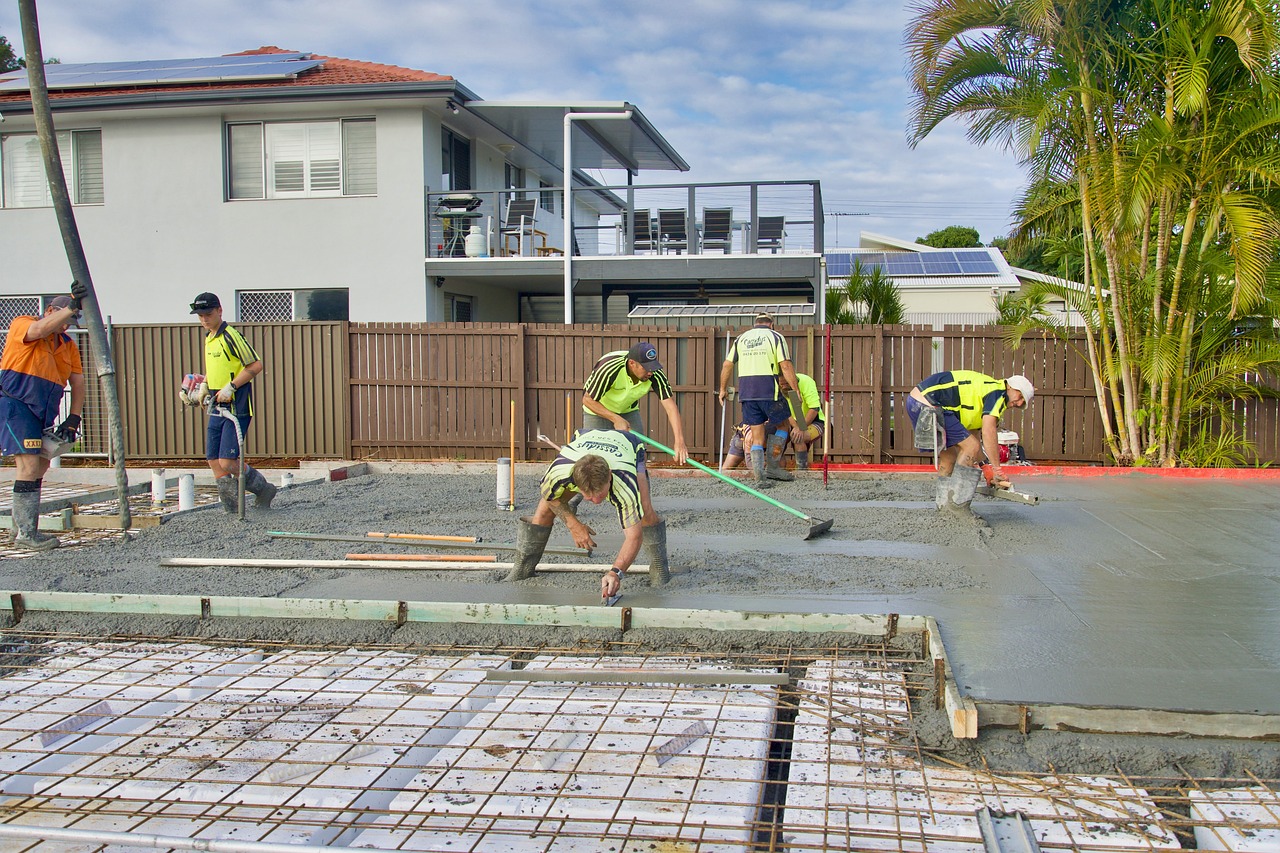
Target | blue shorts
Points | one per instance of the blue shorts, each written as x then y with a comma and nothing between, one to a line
220,437
768,412
741,433
21,432
956,431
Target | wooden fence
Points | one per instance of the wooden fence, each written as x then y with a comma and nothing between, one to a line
448,390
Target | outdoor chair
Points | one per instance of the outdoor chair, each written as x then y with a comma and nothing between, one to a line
642,237
517,223
772,234
717,228
673,232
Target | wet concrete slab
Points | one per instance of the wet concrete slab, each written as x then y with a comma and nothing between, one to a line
1134,591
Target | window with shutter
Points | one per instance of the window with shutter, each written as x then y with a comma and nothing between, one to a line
23,181
302,159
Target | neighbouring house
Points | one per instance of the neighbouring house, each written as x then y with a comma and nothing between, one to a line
304,187
944,286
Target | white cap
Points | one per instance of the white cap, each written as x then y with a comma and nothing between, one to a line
1023,385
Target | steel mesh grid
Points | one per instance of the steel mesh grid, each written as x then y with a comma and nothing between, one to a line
251,749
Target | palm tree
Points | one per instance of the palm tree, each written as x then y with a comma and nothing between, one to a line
1148,130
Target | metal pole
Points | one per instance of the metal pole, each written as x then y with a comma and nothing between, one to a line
569,118
47,134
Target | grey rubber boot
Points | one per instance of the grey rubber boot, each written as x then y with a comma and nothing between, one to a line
802,460
757,468
531,540
26,524
926,429
257,484
655,542
942,491
964,483
229,493
773,459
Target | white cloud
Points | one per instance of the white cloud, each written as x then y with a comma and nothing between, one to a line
787,89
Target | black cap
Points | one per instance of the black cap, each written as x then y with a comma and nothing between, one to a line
205,302
646,355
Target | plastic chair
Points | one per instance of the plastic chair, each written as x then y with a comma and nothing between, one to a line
772,234
673,232
517,223
642,236
717,228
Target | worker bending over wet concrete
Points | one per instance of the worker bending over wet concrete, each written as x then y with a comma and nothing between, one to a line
961,401
600,465
805,427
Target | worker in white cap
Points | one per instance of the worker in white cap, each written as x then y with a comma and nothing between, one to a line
963,402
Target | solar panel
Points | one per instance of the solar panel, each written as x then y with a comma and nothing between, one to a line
968,262
838,264
213,69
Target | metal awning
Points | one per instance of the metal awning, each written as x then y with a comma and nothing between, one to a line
633,145
749,311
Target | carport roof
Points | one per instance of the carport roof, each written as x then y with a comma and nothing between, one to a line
788,309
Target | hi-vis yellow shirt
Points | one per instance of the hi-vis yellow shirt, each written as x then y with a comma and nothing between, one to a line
226,353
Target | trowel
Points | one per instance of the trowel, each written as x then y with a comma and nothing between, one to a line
991,491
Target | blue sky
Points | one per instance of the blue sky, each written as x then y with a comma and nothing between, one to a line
744,89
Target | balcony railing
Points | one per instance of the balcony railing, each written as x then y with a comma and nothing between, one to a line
761,217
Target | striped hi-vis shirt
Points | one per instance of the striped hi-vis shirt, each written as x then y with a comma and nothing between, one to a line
624,453
757,353
611,384
967,393
226,352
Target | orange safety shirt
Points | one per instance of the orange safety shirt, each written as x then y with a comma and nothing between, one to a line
36,372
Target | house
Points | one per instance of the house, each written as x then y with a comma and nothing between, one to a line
944,286
299,186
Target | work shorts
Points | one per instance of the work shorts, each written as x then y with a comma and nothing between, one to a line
777,415
956,431
22,432
220,437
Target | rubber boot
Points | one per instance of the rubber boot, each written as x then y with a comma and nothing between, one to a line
757,468
257,484
964,483
802,460
773,459
26,523
655,542
229,492
942,491
531,541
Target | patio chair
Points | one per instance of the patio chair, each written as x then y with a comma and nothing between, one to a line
772,234
517,223
717,228
642,236
673,232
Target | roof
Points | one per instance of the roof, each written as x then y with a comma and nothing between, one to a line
332,71
786,309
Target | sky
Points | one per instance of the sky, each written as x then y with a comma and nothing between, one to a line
743,89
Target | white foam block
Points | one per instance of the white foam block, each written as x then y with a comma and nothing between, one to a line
1243,820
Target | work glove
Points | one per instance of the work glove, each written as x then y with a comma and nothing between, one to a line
78,294
69,430
227,394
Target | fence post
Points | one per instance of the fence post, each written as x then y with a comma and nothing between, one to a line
879,418
521,392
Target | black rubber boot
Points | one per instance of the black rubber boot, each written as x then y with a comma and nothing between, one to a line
655,542
26,523
257,484
229,492
773,459
802,460
531,541
757,468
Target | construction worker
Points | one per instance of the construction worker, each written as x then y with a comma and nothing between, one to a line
230,366
761,355
962,401
40,359
600,465
740,439
613,390
804,427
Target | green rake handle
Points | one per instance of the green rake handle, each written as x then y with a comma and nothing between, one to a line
731,481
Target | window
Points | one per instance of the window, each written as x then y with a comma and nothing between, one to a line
546,200
455,162
302,159
22,168
282,306
459,308
514,179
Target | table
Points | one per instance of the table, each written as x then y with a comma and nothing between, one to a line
455,224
